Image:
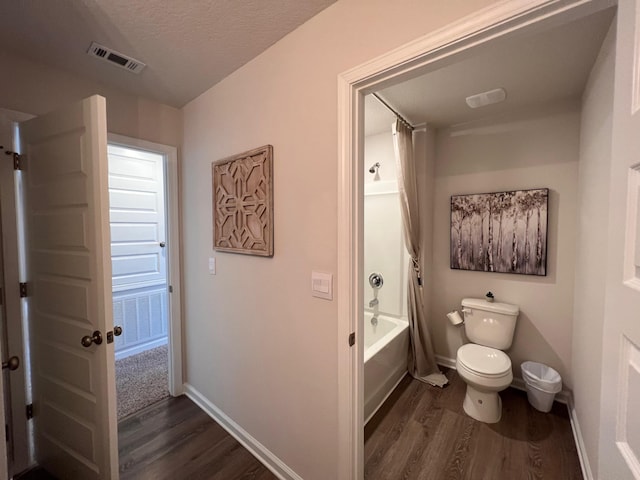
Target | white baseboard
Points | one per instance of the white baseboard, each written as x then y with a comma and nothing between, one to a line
446,362
564,397
577,436
127,352
264,455
517,383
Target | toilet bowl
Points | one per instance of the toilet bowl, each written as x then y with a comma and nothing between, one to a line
486,371
482,364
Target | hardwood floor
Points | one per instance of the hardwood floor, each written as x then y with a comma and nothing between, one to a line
422,432
175,439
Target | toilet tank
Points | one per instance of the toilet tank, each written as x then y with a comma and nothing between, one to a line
489,323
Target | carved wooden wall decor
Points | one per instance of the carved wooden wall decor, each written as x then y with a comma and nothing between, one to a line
243,203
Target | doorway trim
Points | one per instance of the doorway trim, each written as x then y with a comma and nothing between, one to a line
172,198
405,62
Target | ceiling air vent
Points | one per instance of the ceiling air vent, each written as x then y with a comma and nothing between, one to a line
117,58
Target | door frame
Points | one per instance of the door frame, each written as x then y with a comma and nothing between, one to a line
14,265
407,61
172,209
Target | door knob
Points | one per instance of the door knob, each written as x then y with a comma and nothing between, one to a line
12,364
87,340
117,330
162,244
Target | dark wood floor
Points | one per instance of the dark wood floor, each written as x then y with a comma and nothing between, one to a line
174,439
422,432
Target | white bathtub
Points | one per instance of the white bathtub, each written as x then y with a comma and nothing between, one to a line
385,359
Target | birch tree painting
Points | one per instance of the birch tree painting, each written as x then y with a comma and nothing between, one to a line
502,232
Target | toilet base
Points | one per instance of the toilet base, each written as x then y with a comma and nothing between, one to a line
483,406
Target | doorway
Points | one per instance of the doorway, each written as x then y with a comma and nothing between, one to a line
140,178
460,40
139,275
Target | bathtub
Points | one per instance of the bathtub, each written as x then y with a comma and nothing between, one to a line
385,359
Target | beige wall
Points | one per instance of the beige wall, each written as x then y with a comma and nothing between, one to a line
531,149
591,260
35,88
258,345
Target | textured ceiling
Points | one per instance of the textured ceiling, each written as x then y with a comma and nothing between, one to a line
548,66
188,45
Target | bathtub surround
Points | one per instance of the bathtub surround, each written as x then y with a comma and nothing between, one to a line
422,363
384,250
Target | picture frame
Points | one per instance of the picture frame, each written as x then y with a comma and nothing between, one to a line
503,232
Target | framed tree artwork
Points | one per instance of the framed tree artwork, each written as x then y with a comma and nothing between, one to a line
503,232
243,203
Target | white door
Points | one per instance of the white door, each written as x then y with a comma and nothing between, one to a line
69,282
138,247
136,196
619,456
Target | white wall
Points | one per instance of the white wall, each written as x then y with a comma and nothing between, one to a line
384,250
35,88
591,259
258,346
535,148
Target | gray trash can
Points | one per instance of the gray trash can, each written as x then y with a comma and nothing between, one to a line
542,383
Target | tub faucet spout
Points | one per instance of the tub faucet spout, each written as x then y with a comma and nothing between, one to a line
373,303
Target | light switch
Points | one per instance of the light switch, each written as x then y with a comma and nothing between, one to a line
322,285
212,266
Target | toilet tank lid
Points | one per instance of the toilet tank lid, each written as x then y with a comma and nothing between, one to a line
495,307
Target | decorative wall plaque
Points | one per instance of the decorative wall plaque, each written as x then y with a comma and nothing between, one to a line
243,203
500,232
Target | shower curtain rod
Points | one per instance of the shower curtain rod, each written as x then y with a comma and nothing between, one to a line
400,117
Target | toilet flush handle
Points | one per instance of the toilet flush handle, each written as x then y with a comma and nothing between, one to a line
466,310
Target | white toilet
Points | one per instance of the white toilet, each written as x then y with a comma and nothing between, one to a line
483,365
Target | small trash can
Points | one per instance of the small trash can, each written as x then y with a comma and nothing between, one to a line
542,383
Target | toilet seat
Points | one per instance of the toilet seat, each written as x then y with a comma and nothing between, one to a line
484,361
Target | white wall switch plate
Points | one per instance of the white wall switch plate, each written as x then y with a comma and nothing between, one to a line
322,285
212,266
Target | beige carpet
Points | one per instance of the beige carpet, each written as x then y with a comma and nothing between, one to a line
141,380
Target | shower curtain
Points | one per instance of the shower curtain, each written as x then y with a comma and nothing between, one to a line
421,362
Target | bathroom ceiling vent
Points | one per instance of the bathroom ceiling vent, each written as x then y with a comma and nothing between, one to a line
486,98
116,58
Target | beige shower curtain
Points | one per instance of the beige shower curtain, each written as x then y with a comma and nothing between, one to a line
421,363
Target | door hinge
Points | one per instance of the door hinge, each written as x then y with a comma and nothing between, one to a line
352,339
23,289
170,288
30,411
18,160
